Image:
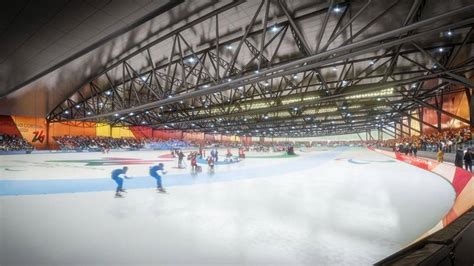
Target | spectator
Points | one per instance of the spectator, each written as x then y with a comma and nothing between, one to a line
448,141
97,143
468,160
14,143
459,158
440,155
180,159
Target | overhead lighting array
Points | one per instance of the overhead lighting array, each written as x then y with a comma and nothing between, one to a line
383,92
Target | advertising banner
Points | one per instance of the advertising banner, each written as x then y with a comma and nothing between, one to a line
32,129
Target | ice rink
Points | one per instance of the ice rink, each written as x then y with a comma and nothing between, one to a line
340,206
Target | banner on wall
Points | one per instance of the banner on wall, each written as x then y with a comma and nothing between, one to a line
193,136
32,129
103,130
167,134
209,137
121,132
141,132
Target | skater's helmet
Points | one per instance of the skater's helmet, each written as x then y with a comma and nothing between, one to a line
161,165
125,168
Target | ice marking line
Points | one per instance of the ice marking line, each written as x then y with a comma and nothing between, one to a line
13,170
221,162
354,161
283,155
54,186
110,161
47,164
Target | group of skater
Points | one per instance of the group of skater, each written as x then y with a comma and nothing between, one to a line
118,176
408,149
211,159
193,156
155,171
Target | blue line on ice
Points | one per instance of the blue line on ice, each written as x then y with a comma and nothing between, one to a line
47,186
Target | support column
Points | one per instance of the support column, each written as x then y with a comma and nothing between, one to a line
395,130
470,101
409,125
401,128
438,114
47,134
420,116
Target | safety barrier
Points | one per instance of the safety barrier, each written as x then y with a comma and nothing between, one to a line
460,179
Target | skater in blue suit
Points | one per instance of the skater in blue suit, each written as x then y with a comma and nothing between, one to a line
116,177
154,173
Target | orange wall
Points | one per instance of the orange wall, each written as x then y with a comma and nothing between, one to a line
454,103
193,136
41,135
63,129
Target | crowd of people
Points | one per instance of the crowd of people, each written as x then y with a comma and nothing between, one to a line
97,143
270,147
14,143
457,141
447,141
170,144
108,143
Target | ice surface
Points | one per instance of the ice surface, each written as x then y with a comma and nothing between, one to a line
343,206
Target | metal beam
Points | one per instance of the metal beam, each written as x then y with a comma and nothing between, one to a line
363,89
238,82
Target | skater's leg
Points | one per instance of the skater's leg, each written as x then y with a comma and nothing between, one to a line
117,181
120,184
158,182
159,186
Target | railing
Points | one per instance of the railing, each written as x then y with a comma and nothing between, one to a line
447,148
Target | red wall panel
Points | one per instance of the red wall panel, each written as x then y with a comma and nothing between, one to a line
167,134
141,132
8,126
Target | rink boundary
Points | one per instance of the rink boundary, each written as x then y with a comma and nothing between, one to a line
459,179
29,187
